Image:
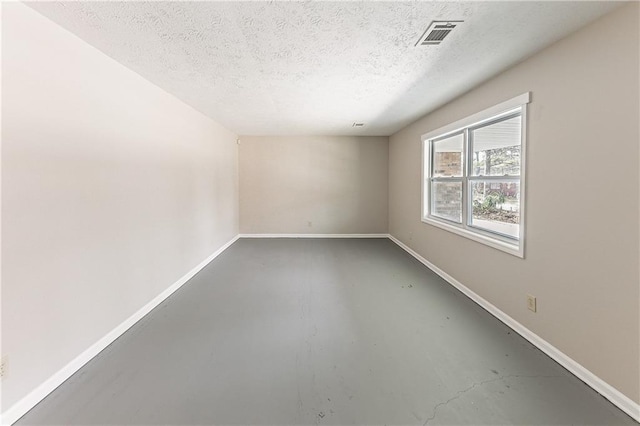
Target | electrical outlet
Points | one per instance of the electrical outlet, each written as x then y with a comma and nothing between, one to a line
3,367
531,303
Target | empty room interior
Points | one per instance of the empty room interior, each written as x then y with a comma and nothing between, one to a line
297,213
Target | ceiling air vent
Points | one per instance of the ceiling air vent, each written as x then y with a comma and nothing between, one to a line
437,32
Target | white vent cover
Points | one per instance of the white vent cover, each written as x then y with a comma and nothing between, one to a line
436,32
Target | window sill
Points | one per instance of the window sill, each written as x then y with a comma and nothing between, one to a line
515,249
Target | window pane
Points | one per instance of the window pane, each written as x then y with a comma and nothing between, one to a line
496,148
496,207
447,156
447,200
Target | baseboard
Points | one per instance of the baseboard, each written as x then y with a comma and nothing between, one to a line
20,408
609,392
314,235
616,397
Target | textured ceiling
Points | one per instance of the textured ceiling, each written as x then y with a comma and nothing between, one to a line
275,68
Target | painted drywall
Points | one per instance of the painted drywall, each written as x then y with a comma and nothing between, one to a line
582,246
112,190
313,185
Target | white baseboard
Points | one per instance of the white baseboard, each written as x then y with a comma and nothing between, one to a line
620,400
314,235
20,408
623,402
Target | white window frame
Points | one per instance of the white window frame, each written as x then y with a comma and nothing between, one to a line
509,245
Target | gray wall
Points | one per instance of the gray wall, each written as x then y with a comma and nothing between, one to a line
581,254
313,185
111,191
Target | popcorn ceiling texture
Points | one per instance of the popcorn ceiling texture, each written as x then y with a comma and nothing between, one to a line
278,68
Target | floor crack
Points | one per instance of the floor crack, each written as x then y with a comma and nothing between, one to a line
475,384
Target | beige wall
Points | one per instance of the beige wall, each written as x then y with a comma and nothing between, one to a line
313,185
582,199
111,191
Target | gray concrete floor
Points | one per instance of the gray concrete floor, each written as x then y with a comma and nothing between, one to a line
321,331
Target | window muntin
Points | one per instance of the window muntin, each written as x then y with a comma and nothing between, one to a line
473,176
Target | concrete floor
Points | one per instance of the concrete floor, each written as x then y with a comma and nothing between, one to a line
315,331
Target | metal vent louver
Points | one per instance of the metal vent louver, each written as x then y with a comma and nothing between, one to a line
437,32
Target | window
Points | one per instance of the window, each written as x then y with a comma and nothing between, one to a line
473,181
